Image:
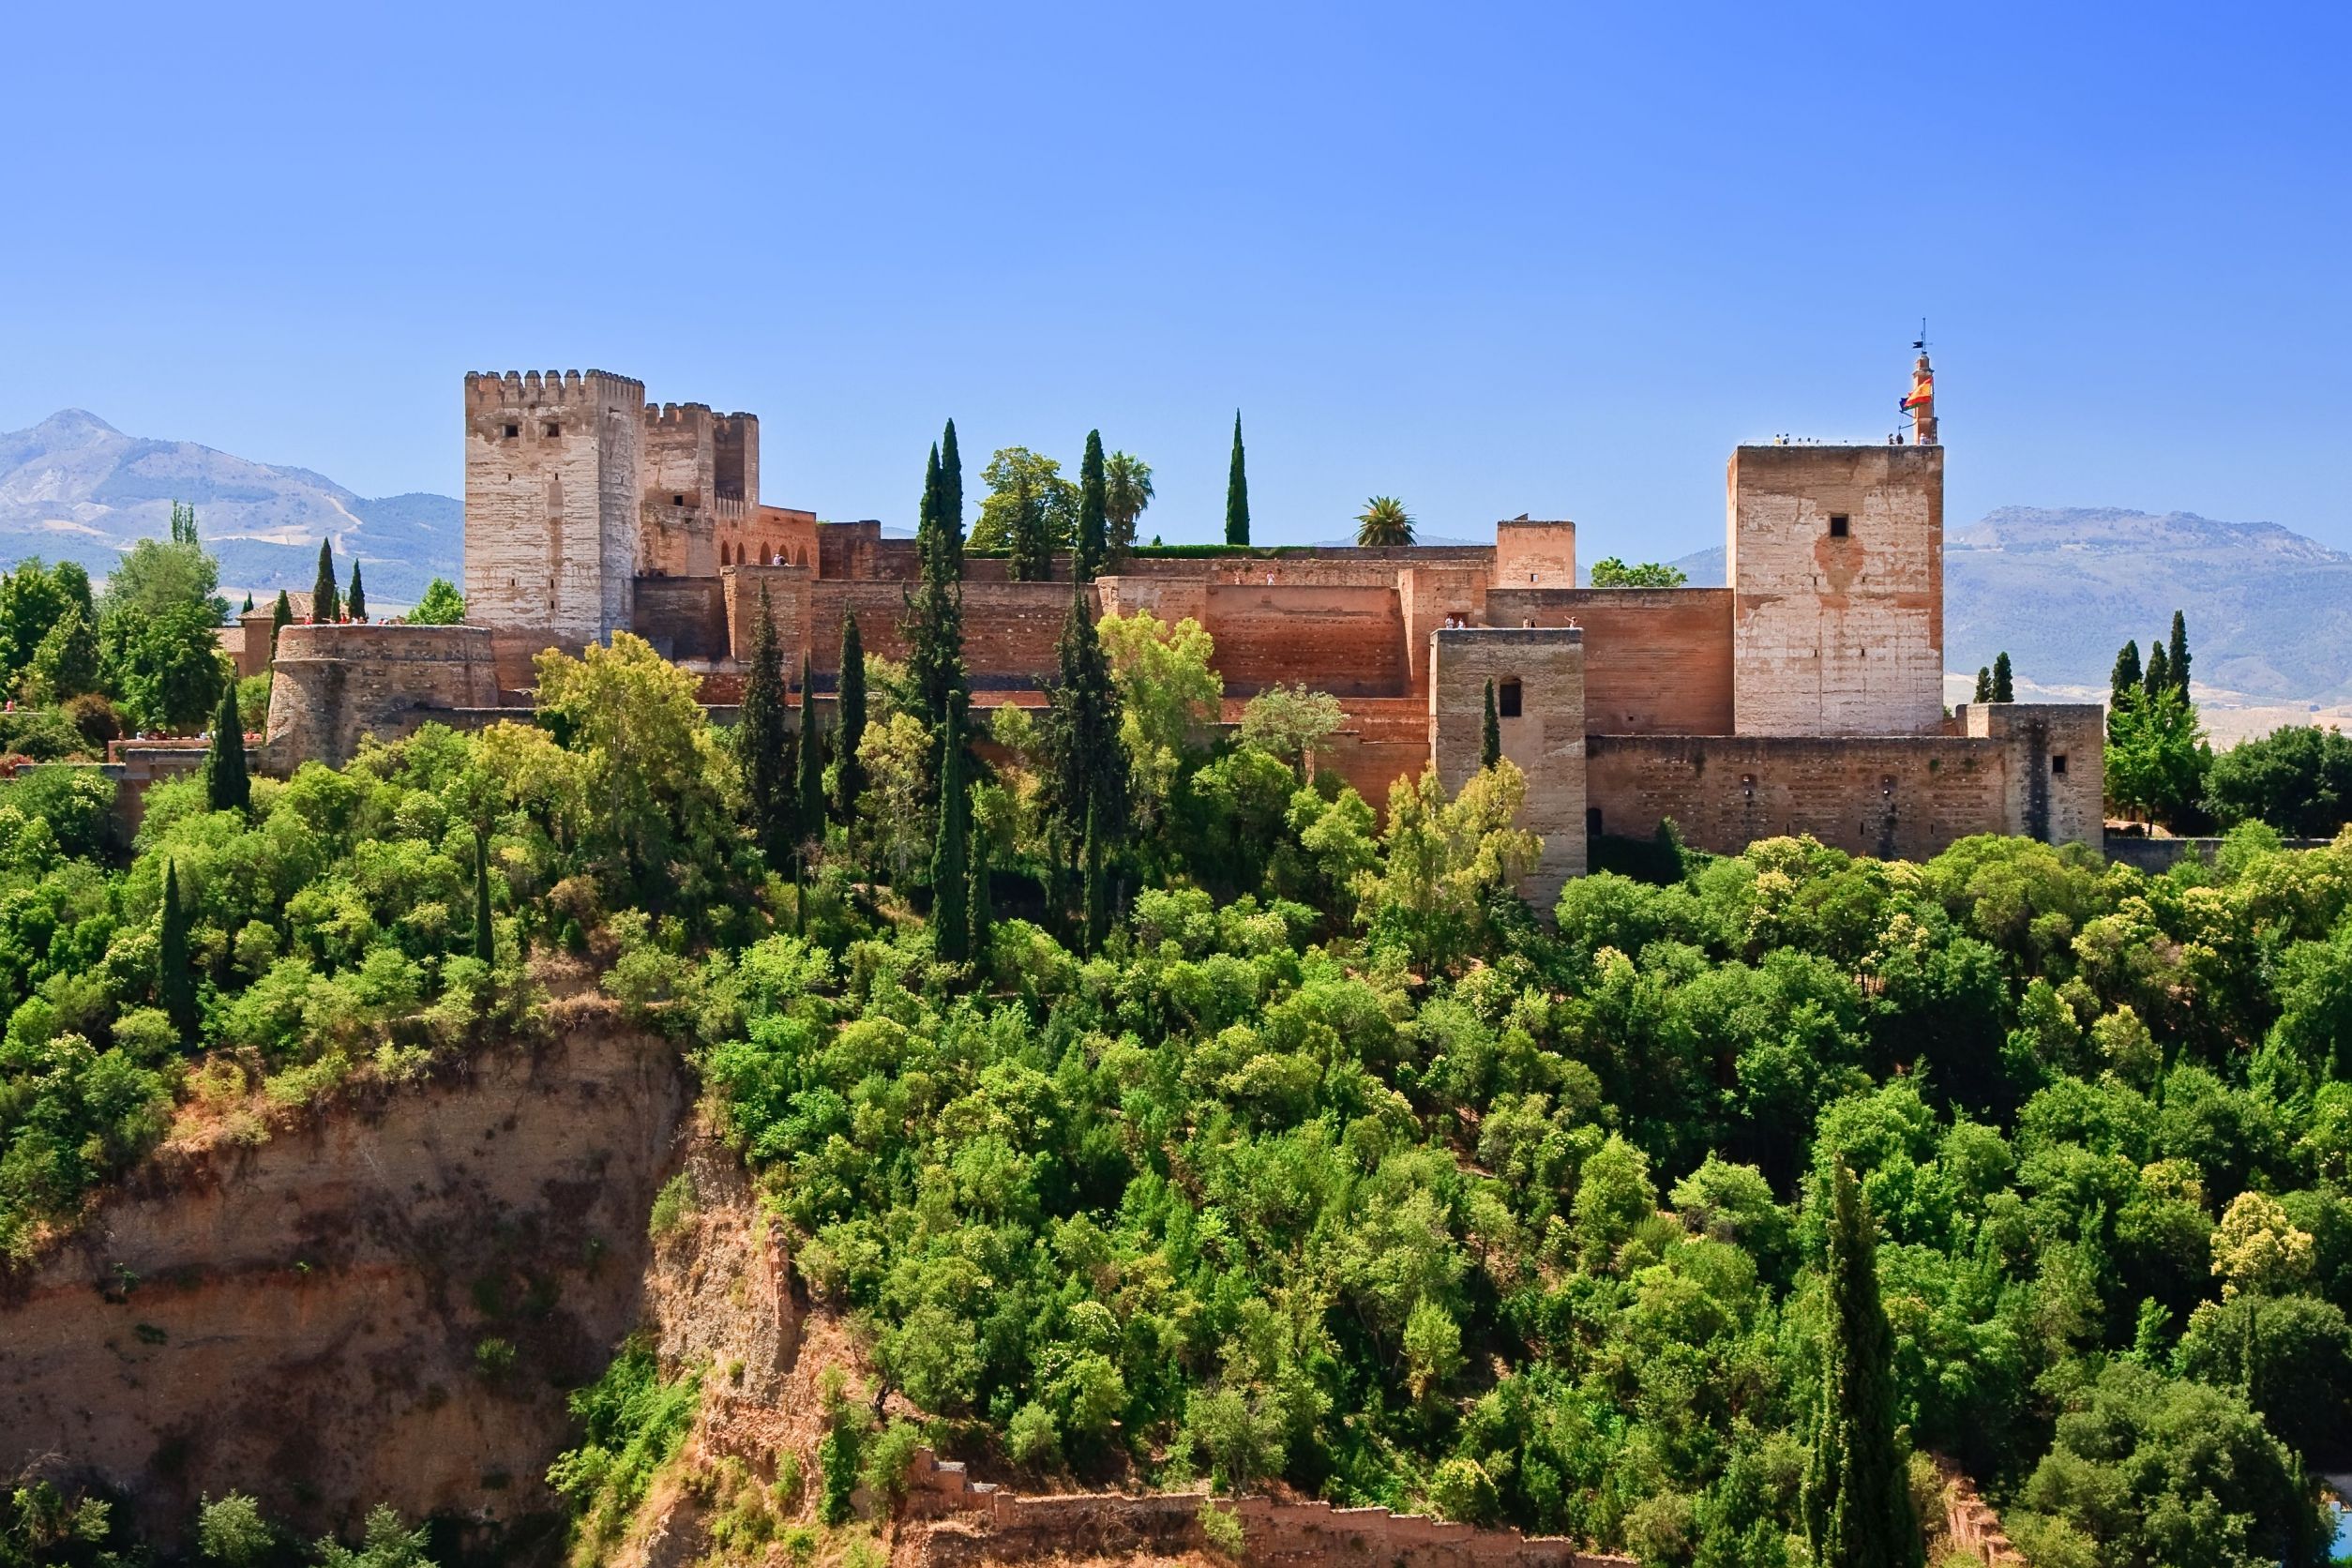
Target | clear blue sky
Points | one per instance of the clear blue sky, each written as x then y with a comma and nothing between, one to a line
1492,259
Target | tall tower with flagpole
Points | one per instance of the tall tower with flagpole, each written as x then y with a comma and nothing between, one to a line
1920,403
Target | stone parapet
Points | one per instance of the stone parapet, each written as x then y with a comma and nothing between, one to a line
1006,1524
334,684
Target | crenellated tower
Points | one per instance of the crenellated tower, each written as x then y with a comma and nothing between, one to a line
553,470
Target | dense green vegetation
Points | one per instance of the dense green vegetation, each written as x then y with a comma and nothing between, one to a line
1153,1113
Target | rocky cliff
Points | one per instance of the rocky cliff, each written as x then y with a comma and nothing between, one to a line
381,1304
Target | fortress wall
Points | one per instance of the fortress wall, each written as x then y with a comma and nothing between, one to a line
2057,785
790,603
684,617
1897,797
336,684
680,454
1169,598
551,500
1657,661
1545,739
1348,642
1010,628
1429,596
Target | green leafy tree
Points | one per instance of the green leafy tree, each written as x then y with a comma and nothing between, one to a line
979,906
1383,523
1089,768
165,667
385,1543
34,602
848,773
935,625
951,870
951,501
2158,678
1983,684
323,590
227,786
1031,510
1090,545
1096,890
2004,684
2297,778
1857,1499
67,664
357,600
232,1532
1127,491
1289,722
1491,732
2176,654
2156,755
184,523
1612,572
247,609
280,616
441,605
764,746
1237,491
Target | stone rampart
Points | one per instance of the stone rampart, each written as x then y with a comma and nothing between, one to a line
1892,796
685,618
1538,677
2058,776
1346,641
336,684
1001,1525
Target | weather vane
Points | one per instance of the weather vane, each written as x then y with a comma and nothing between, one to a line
1920,342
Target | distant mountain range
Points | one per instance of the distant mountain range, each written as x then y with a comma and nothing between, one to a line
75,487
2270,611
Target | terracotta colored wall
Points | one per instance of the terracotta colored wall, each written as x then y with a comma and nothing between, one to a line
1657,661
1343,640
684,617
1535,554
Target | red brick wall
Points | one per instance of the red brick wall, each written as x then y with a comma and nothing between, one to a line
1657,660
1343,640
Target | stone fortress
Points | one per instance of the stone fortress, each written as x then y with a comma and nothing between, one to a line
1803,697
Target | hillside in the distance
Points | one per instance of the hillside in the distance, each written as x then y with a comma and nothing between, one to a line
75,488
2270,611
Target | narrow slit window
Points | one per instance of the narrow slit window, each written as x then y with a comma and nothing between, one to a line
1507,699
1592,822
1839,525
2057,761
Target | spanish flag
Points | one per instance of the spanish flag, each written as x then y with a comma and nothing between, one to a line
1922,389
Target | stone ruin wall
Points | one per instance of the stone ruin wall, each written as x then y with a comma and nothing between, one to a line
335,684
996,1526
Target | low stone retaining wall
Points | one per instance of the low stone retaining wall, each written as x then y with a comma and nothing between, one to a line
997,1523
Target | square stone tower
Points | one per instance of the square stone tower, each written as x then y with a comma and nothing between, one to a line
552,502
1835,559
1538,673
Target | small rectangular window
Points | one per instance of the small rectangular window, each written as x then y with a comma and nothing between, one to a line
677,500
1837,526
552,428
1507,699
2057,761
513,430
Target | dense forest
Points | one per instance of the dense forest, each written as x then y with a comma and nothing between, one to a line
1155,1112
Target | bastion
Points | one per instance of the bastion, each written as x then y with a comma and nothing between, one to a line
335,684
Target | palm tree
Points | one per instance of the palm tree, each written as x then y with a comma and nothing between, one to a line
1127,490
1383,523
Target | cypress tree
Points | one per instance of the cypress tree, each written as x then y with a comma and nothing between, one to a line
1097,892
2126,678
1857,1497
848,774
979,916
357,600
485,933
1490,735
175,980
1089,772
323,591
2177,651
951,870
280,617
1093,544
760,742
1237,492
2004,684
812,812
227,786
951,500
1984,683
2159,677
935,629
248,606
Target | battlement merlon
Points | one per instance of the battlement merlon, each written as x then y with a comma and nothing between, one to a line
523,390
